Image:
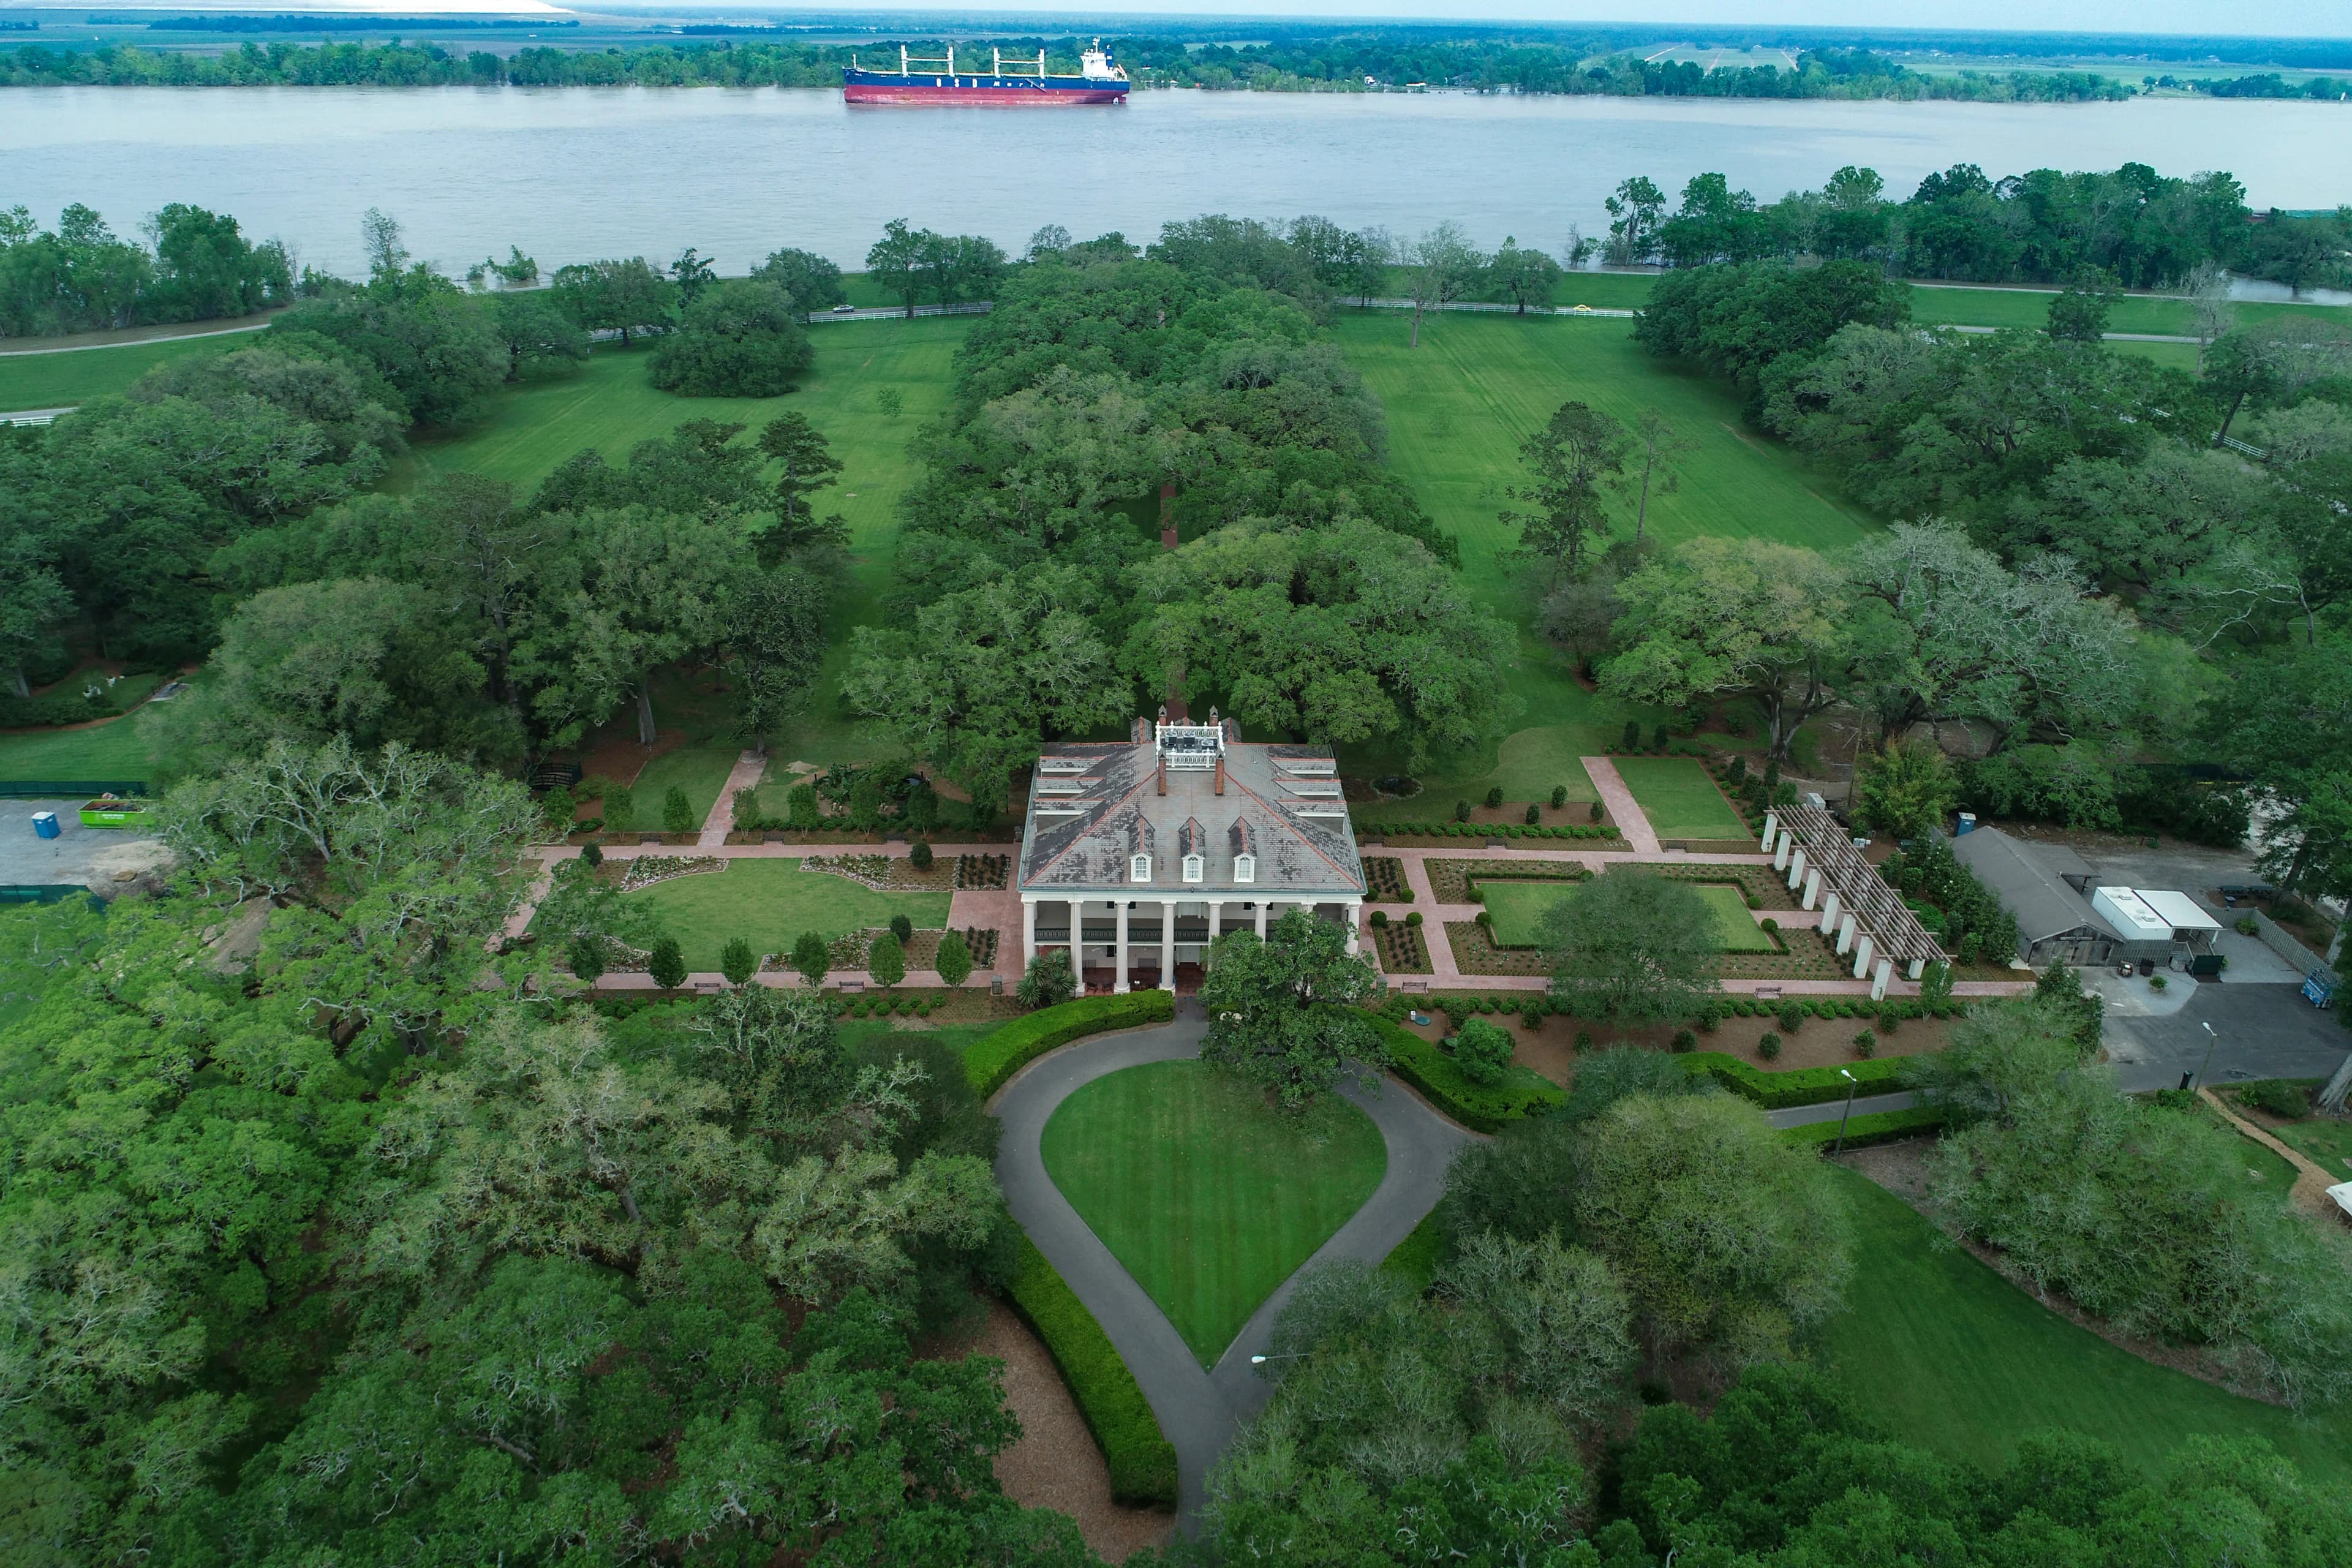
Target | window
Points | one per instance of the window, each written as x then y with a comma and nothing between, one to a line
1138,868
1194,868
1244,867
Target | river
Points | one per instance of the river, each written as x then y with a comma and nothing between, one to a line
571,173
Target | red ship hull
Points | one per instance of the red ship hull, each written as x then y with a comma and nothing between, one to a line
1026,97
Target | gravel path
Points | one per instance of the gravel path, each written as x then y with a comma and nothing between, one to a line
1198,1410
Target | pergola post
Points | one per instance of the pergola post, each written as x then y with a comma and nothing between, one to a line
1878,977
1845,934
1863,954
1780,847
1914,969
1796,868
1829,907
1772,826
1119,985
1812,889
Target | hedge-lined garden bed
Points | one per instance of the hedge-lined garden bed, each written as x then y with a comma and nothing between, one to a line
1799,1086
1449,880
1602,837
1142,1461
1861,1132
1482,1109
990,1062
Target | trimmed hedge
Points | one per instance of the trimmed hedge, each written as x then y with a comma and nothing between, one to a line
1440,1080
995,1057
1480,830
1799,1086
1861,1132
1142,1461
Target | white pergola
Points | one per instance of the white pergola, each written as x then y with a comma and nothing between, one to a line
1868,918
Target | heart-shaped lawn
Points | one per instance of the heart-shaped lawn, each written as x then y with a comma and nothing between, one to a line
1208,1196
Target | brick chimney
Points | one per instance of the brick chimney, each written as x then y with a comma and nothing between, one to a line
1163,776
1221,772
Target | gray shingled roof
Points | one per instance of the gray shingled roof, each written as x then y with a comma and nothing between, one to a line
2028,886
1079,843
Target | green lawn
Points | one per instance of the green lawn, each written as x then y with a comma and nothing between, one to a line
1458,407
116,749
1950,1355
700,770
1209,1197
1518,909
2326,1141
1679,799
610,406
57,380
770,903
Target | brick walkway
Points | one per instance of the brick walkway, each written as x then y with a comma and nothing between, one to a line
2311,1179
1632,822
744,774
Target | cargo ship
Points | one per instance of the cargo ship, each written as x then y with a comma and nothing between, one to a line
1101,79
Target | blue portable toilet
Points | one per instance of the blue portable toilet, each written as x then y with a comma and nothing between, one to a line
45,824
1968,824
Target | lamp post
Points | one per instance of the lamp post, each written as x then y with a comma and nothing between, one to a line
1851,1083
2212,1040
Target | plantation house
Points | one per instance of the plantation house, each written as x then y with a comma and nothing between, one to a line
1138,855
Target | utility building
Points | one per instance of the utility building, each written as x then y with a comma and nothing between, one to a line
1137,854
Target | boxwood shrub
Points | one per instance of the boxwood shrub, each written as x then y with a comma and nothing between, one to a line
1522,1092
1878,1126
1799,1086
992,1058
1142,1461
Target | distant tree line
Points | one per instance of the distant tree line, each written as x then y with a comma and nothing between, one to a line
1315,64
2145,229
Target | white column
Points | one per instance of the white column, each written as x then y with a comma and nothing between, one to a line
1812,889
1780,847
1796,868
1845,934
1167,945
1261,920
1216,919
1772,826
1829,910
1028,930
1355,921
1862,954
1914,969
1119,985
1878,978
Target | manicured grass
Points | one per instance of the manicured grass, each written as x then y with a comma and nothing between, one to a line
1518,909
1951,1356
610,406
1679,799
770,902
700,770
57,380
856,1034
1210,1198
117,748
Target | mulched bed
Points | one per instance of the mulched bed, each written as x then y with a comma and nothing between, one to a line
883,872
983,873
1384,878
1475,952
645,870
1401,948
1770,887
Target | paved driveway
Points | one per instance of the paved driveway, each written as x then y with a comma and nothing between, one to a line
1198,1410
24,857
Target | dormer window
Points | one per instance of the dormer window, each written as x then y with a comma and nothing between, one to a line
1244,867
1195,866
1139,868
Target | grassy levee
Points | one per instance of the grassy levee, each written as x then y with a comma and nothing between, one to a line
59,380
1951,1356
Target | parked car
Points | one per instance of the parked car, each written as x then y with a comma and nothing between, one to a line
844,310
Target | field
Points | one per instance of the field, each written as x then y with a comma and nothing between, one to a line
1950,1355
1679,799
2324,1141
1458,407
700,770
1209,1197
113,750
610,406
60,380
770,903
1518,910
